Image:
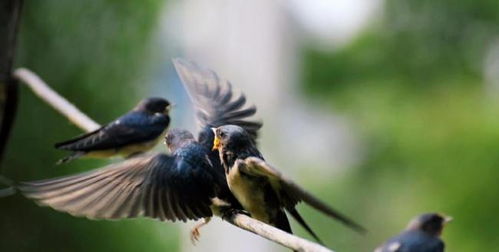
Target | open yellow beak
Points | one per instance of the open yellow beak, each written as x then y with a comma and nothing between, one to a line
216,140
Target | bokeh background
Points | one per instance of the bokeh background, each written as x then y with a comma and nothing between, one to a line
384,108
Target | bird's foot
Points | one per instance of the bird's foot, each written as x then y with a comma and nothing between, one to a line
231,212
195,234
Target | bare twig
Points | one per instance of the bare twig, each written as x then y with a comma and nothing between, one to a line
40,88
84,122
273,234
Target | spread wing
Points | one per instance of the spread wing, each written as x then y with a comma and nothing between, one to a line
132,128
215,102
156,186
290,193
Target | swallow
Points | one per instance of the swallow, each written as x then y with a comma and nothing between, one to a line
421,235
261,189
187,184
135,132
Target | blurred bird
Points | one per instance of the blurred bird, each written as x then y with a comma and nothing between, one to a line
262,190
135,132
421,235
189,184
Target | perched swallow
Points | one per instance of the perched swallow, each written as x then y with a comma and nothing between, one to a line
421,235
135,132
262,190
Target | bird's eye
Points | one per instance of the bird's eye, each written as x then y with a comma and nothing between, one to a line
222,134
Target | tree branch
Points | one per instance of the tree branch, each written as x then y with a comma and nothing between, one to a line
57,102
274,234
41,89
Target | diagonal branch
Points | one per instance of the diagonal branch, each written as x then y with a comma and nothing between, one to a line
274,234
40,88
57,102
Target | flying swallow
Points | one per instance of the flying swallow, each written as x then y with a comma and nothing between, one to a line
421,235
183,185
261,189
188,184
137,131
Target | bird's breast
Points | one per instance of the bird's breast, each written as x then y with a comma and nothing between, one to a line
248,191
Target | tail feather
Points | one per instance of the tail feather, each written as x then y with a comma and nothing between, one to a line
302,222
71,157
282,223
69,144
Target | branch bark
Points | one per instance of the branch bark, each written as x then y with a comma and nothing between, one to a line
57,102
274,234
42,90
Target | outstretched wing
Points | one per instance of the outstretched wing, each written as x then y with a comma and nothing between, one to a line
156,186
290,193
215,102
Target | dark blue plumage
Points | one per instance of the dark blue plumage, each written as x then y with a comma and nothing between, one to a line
180,186
187,184
137,131
421,235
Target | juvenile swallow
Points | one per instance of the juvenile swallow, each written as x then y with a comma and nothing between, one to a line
261,189
421,235
135,132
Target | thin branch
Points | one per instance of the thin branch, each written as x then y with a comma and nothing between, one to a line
274,234
60,104
42,90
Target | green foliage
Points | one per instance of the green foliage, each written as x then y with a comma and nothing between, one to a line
413,89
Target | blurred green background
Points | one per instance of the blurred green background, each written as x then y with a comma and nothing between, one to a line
417,86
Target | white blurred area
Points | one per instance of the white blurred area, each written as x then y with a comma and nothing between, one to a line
256,45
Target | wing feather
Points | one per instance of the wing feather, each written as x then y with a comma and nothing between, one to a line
290,193
214,101
146,185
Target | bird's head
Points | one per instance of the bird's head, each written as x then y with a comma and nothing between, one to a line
231,137
430,223
154,105
176,138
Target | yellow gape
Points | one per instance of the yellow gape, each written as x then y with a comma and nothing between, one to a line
216,143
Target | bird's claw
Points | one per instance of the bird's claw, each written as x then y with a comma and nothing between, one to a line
195,234
229,213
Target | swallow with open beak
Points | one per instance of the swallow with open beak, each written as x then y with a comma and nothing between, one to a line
421,235
135,132
188,184
261,189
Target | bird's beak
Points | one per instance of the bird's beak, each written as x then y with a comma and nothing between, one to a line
169,108
448,219
216,140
